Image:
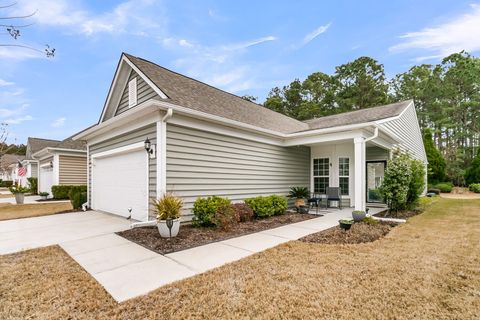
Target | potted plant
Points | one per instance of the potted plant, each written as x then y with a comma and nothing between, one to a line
299,193
358,215
43,195
345,224
168,209
19,192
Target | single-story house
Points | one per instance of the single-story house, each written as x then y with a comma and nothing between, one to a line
8,166
205,141
34,145
63,163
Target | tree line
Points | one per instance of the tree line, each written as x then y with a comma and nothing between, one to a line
446,95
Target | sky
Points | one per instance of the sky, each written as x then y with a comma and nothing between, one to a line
244,47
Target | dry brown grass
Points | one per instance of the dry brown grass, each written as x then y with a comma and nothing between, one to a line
427,268
15,211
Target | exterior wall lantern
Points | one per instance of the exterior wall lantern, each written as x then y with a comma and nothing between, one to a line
150,148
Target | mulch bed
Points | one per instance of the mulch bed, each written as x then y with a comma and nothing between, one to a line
358,233
192,236
405,214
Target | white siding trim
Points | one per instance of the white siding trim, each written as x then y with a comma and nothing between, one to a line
56,169
125,149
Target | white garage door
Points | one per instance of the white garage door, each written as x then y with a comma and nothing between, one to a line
119,182
46,180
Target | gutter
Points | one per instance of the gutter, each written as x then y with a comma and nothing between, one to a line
165,119
375,134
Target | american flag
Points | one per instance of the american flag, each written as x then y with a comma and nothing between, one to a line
22,171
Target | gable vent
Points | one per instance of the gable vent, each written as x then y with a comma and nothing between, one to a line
132,92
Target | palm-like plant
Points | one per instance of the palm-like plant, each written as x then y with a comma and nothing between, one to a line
299,193
168,207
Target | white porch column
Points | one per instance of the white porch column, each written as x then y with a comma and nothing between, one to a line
161,150
360,174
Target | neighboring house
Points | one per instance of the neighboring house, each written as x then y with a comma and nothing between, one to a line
209,142
34,145
8,166
63,163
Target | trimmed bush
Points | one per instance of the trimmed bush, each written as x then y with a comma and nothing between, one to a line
267,206
78,199
225,217
6,183
204,209
63,191
474,187
444,187
33,182
243,211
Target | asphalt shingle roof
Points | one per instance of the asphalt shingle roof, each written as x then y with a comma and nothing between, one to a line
196,95
36,144
199,96
359,116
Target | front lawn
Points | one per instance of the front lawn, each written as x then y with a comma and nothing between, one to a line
16,211
427,268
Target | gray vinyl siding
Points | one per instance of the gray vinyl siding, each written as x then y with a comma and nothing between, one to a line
46,160
201,164
129,138
376,153
144,93
406,127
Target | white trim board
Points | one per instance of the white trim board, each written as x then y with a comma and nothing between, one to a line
120,150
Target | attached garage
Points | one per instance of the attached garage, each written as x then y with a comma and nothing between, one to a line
46,179
120,182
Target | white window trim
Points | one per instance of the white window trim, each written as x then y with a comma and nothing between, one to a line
329,176
132,92
349,174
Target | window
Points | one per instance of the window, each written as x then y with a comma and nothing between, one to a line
321,174
132,92
344,175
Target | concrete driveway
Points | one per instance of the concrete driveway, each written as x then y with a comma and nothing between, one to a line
29,233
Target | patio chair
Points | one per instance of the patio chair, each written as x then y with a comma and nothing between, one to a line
317,199
333,194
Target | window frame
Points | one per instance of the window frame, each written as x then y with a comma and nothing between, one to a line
327,177
341,175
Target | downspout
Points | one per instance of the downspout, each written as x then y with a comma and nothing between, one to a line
147,223
375,135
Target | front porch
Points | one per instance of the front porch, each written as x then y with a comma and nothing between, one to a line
353,161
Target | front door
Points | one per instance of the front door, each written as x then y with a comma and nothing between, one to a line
375,174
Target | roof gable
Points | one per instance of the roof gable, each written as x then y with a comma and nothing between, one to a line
198,96
36,144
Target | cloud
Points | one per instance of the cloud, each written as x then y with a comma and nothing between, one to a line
4,83
315,33
217,65
459,33
18,120
130,16
60,122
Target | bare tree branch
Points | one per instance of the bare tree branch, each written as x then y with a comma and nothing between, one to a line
8,5
20,46
15,26
20,17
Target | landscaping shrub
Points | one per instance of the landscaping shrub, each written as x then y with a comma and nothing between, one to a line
6,183
444,187
225,217
204,209
77,196
396,181
243,212
472,174
267,206
417,182
63,191
474,187
33,182
370,221
279,204
434,190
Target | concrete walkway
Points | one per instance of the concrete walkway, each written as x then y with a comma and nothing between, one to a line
128,270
